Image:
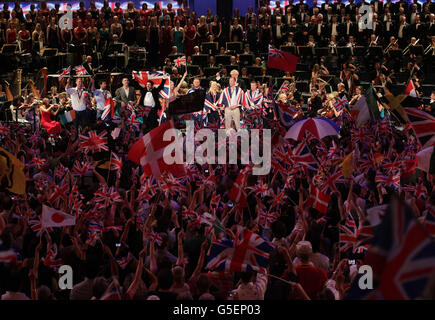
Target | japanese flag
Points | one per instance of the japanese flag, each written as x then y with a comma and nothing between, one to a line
56,218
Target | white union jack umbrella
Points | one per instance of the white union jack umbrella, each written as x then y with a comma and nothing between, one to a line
319,127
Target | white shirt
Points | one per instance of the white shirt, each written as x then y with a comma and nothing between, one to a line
334,29
278,31
412,18
100,98
149,100
77,98
319,29
127,91
233,94
401,30
252,290
347,27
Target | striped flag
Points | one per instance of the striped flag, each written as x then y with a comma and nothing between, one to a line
67,117
180,61
64,73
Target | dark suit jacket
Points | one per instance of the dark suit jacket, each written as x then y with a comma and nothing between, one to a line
155,93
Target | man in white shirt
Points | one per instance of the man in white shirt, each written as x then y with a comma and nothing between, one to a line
250,289
79,102
101,95
231,98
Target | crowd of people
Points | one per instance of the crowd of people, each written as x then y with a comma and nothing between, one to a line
141,237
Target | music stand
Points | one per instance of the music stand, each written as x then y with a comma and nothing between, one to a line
306,51
234,46
209,71
200,60
223,59
396,54
263,79
254,71
49,52
321,52
193,70
416,50
9,48
289,49
359,51
376,51
246,59
117,47
210,48
232,67
173,56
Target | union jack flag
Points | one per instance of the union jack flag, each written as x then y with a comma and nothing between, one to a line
80,170
341,103
133,122
50,260
109,107
260,189
180,61
155,237
107,196
348,237
392,180
38,161
59,193
147,190
80,70
248,252
36,226
65,72
265,218
402,257
116,163
188,214
142,77
94,142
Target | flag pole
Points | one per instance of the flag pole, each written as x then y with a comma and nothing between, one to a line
108,172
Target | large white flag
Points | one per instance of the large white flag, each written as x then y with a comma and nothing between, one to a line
56,218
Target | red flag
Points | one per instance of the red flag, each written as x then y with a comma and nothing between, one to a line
318,200
281,60
148,152
238,193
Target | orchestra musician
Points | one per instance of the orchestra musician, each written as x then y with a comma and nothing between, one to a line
46,110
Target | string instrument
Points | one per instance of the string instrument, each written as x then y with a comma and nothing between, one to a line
42,87
9,95
35,91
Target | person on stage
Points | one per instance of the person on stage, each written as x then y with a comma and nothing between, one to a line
101,95
79,102
149,98
211,105
232,98
52,127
